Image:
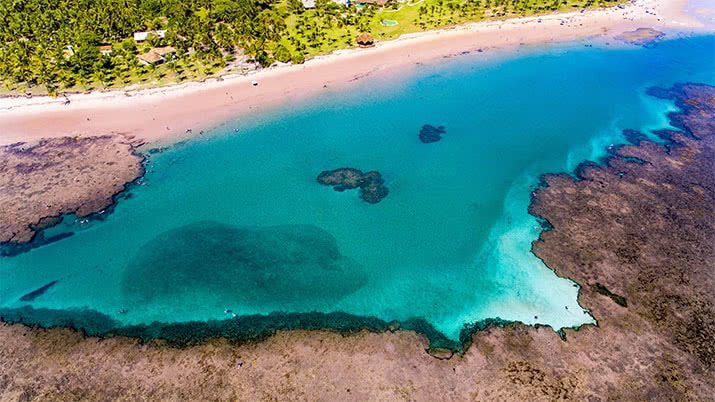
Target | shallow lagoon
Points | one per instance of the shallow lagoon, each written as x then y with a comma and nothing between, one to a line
238,221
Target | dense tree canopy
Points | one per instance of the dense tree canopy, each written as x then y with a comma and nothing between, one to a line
54,42
65,44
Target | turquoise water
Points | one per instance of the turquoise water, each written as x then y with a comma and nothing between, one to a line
237,220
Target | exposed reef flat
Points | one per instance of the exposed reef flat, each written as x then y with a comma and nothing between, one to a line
41,181
371,184
641,36
642,230
658,209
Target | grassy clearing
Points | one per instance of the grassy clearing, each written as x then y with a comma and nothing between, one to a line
318,32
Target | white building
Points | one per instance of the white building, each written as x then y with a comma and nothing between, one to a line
141,36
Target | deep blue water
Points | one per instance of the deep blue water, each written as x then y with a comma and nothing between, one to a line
237,220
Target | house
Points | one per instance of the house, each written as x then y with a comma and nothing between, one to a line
150,58
142,36
165,51
365,40
105,50
157,55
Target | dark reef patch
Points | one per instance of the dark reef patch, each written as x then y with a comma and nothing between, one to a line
371,184
38,292
430,133
241,329
10,249
280,266
694,117
602,290
634,136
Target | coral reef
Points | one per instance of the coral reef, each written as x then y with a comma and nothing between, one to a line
372,186
67,175
429,133
247,266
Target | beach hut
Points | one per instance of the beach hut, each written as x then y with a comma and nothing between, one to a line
150,58
365,40
165,51
157,55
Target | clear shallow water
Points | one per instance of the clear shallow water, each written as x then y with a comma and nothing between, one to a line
238,221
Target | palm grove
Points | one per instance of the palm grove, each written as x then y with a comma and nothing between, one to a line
55,45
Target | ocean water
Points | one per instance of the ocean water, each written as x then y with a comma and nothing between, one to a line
236,220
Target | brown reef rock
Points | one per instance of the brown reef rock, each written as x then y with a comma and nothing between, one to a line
430,133
371,184
41,181
641,37
651,215
638,234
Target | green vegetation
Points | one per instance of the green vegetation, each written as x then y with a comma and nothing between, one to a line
59,45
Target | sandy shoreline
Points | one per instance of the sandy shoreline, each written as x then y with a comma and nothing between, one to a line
163,115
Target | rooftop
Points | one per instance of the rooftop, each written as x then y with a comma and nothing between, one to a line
142,36
156,55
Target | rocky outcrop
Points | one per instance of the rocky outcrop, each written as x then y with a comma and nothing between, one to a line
371,184
640,231
429,133
40,182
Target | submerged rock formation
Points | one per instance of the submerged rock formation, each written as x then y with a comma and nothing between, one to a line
30,296
640,231
641,37
371,184
41,181
429,133
243,266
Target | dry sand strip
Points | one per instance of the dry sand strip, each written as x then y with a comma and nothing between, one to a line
165,114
